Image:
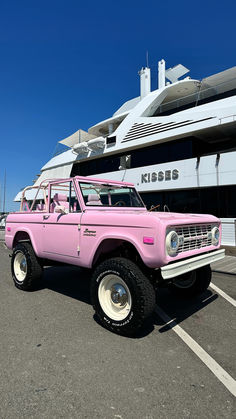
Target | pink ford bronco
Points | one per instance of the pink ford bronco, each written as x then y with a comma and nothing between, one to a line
104,225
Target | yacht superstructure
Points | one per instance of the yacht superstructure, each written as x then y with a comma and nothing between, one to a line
177,144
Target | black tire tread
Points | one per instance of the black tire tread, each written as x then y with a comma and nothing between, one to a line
145,291
201,284
34,269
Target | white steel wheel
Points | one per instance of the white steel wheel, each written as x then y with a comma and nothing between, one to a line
20,266
25,267
114,297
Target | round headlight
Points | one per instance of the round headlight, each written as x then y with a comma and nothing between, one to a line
215,235
172,242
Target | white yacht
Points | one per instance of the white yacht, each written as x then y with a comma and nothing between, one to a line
177,144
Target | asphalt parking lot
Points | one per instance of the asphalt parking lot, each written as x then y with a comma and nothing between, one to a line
56,361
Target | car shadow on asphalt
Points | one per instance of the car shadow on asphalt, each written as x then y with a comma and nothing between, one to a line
74,282
179,309
71,281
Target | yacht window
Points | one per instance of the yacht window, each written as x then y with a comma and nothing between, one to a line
200,98
162,153
219,201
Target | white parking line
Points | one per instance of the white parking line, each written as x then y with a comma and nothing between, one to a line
213,366
223,294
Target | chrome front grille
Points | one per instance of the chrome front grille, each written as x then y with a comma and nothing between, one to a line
193,237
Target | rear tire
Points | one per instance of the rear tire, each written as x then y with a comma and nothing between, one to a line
192,283
25,267
122,296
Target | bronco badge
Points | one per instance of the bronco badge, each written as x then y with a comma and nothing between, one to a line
88,232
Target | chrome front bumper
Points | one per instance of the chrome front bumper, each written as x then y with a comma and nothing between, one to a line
187,265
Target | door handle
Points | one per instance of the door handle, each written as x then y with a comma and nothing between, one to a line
46,217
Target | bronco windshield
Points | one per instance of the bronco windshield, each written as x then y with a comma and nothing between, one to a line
96,194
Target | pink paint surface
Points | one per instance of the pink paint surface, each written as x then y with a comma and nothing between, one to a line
76,237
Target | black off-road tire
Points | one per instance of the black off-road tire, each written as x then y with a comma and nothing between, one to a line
33,268
138,285
201,283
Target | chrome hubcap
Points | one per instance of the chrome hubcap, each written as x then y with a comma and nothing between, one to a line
119,295
114,297
23,265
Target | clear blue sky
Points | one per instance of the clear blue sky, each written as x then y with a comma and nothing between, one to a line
68,64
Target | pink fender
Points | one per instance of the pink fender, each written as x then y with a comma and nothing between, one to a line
147,252
9,239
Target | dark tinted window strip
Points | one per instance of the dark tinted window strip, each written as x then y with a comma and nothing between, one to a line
167,129
135,128
165,152
155,129
219,200
193,104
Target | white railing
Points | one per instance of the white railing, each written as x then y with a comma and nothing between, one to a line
228,231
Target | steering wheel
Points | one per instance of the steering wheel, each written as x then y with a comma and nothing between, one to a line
119,202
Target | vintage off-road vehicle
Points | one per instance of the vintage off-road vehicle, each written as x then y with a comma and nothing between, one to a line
104,225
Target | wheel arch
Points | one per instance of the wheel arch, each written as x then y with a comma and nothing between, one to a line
116,246
23,235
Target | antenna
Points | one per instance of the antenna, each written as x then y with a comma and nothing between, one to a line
147,59
4,192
